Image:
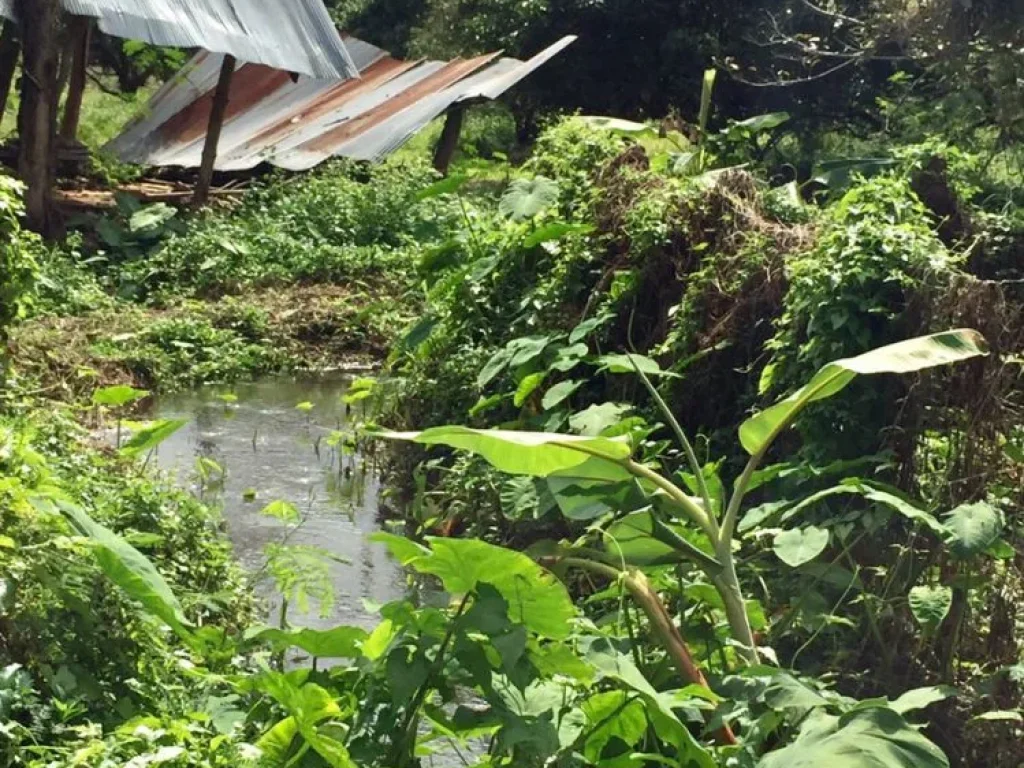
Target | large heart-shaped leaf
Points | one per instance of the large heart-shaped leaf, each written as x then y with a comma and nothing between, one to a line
539,454
129,569
536,599
118,395
151,436
337,642
800,545
868,738
930,605
972,528
758,432
525,198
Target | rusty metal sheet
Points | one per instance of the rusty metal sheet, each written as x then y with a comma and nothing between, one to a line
299,124
292,35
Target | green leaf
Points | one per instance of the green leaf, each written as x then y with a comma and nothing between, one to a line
763,122
616,125
800,545
868,738
358,390
972,529
612,715
497,363
555,230
338,642
305,406
114,397
930,606
525,198
446,186
149,438
632,539
284,511
919,698
628,363
597,418
1001,715
587,327
536,599
758,432
527,387
132,571
522,453
560,392
151,218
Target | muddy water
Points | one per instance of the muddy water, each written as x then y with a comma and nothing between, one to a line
271,450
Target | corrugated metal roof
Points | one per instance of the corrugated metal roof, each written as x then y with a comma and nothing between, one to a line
296,125
292,35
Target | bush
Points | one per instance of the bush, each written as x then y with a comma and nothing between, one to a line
18,266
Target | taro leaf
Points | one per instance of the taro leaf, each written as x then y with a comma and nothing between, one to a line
539,454
800,545
796,698
569,357
525,497
114,397
526,349
149,438
560,392
555,230
446,186
930,606
763,122
525,198
495,365
284,511
919,698
973,528
535,598
632,539
758,432
612,715
868,738
587,327
996,715
628,363
338,642
416,335
597,418
148,220
590,489
129,569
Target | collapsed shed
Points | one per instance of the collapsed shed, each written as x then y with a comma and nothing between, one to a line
297,123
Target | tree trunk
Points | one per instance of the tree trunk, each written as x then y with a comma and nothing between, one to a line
217,111
449,141
81,33
37,118
10,49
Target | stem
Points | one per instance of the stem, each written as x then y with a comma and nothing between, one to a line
732,512
699,516
728,587
666,535
691,456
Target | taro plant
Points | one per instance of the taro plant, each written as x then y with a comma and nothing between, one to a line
655,518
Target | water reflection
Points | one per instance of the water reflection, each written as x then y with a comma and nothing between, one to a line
257,447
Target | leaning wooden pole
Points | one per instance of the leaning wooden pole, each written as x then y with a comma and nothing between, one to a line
37,116
217,112
449,141
10,49
81,34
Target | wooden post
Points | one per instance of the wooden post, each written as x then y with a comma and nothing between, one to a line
37,117
10,49
81,34
220,105
449,141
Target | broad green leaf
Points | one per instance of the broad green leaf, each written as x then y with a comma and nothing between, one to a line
497,363
973,528
919,698
149,438
338,642
707,90
560,392
536,599
930,606
612,715
525,198
445,186
616,124
526,349
129,569
284,511
764,122
632,538
305,406
1001,715
800,545
587,327
114,397
628,363
569,357
555,230
597,418
869,738
589,490
275,744
152,217
522,453
527,387
358,390
758,432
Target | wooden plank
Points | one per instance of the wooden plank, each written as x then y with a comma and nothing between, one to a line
449,140
81,35
217,111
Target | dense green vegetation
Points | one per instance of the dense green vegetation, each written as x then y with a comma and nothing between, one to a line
706,430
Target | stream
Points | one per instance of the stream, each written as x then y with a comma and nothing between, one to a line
270,450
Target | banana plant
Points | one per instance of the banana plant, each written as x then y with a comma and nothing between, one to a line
697,523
